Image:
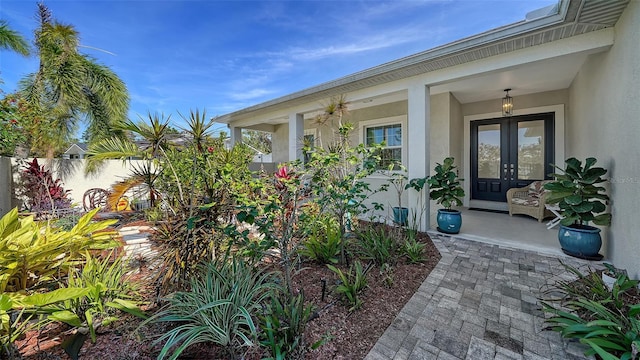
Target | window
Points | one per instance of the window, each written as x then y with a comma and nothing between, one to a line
391,135
308,142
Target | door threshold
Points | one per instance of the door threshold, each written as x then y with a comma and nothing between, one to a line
488,205
490,210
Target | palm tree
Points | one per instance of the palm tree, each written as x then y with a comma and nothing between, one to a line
151,142
10,39
70,86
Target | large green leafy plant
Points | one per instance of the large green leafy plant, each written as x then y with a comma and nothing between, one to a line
445,186
108,291
32,252
19,313
577,193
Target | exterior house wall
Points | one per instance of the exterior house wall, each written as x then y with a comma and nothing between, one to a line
456,127
440,134
605,110
519,102
280,144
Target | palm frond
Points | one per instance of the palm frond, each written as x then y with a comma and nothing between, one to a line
198,126
120,188
12,40
113,148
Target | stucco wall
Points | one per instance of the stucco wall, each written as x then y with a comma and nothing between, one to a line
519,102
456,131
280,143
71,172
440,142
605,113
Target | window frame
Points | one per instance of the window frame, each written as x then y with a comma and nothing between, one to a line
307,132
388,121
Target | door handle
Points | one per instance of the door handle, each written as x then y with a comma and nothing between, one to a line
512,171
504,166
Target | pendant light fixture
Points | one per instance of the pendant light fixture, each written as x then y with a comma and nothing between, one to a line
507,104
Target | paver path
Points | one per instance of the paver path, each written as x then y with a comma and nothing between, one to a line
480,302
137,244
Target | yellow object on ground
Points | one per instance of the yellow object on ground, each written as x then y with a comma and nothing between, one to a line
123,204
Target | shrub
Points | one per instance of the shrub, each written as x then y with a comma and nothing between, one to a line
42,191
598,317
375,242
19,314
413,250
186,239
218,309
283,326
32,253
107,292
322,243
351,283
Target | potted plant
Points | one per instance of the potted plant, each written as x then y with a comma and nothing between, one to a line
445,188
581,202
398,179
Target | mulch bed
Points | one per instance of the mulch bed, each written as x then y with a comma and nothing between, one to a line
351,334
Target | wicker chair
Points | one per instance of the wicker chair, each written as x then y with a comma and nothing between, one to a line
529,200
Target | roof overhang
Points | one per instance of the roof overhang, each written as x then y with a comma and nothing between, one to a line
570,19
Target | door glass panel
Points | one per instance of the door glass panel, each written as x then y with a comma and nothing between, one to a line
489,151
531,150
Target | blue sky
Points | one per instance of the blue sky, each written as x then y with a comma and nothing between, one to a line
223,56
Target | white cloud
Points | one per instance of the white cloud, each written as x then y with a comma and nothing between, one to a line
251,94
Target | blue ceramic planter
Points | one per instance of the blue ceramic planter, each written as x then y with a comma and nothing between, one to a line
400,215
582,241
449,221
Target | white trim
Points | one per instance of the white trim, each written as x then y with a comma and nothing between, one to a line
393,120
559,147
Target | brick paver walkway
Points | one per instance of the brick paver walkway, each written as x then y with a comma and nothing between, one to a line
480,302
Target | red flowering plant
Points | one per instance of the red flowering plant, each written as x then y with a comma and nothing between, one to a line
42,192
276,213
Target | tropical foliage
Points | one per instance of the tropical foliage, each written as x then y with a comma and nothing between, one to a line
231,243
41,191
51,274
217,309
351,283
107,292
31,252
577,193
599,317
69,86
12,40
322,242
444,185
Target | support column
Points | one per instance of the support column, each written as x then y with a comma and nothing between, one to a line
296,134
418,130
236,135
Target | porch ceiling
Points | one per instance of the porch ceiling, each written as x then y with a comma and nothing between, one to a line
547,75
